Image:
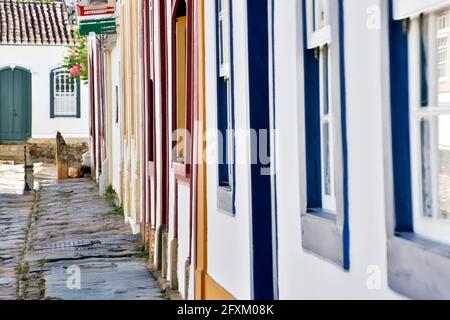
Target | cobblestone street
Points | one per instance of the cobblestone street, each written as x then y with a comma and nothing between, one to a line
66,242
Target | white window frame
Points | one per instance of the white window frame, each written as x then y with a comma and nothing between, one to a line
413,260
325,225
230,135
319,39
65,103
443,34
320,36
433,227
444,64
225,73
413,8
224,39
328,200
225,192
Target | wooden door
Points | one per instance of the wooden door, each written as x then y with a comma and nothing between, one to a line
15,105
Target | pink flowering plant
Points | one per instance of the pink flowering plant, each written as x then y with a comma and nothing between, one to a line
76,59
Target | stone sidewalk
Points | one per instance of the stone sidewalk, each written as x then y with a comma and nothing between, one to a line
66,242
15,210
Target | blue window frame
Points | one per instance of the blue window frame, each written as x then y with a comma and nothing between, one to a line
65,93
418,246
225,106
325,230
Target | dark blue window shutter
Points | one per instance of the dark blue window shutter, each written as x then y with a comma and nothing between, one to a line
223,126
52,100
223,102
423,61
398,57
312,128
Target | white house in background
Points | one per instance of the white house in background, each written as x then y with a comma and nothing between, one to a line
37,98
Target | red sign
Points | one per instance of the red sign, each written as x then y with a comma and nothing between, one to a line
95,9
89,11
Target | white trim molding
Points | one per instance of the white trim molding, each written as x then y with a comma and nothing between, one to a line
412,8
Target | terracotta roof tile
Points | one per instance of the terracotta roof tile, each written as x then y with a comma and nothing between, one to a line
34,23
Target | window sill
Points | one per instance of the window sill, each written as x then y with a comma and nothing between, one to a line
319,37
65,117
418,267
322,236
181,170
321,213
225,200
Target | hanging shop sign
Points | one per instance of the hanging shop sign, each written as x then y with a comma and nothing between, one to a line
102,26
96,16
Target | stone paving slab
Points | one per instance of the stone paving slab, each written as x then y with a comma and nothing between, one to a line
63,231
74,229
15,210
96,274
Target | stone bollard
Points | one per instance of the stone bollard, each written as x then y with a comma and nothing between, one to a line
164,247
62,166
29,174
174,264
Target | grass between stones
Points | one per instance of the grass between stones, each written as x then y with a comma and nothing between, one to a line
23,268
111,198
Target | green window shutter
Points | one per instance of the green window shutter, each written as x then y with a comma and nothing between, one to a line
52,93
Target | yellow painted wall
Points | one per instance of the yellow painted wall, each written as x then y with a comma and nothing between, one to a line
131,110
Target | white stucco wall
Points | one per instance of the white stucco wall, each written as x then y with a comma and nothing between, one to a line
157,184
156,219
229,255
183,234
116,150
40,60
301,274
92,43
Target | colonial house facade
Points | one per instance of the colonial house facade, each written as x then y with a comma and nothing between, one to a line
280,149
37,97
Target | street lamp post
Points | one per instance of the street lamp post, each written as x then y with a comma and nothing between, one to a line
28,172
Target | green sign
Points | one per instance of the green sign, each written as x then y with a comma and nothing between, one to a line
102,26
